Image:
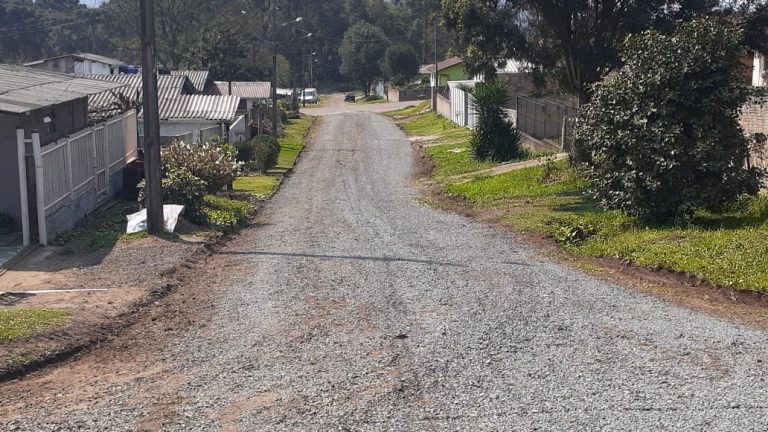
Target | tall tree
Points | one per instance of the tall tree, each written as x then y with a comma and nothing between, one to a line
361,51
400,64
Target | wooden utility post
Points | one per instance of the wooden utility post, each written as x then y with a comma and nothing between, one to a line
151,119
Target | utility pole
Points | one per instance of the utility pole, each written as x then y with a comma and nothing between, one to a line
229,63
275,128
437,72
151,119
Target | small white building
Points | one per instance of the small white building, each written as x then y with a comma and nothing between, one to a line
79,63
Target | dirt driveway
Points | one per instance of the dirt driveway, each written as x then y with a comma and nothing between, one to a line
353,307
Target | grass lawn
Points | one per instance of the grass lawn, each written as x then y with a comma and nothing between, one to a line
258,185
100,230
17,323
292,143
727,249
410,110
430,124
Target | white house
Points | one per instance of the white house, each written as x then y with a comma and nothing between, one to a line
79,63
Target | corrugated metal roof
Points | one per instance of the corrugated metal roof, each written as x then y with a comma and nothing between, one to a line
244,89
199,78
168,87
24,89
203,107
82,56
445,64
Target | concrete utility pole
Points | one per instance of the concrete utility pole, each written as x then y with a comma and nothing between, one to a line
275,119
437,73
151,119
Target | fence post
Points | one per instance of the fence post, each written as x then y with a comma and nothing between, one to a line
21,149
69,169
39,187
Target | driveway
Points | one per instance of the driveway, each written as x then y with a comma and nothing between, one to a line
354,307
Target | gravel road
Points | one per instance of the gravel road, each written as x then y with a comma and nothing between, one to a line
357,308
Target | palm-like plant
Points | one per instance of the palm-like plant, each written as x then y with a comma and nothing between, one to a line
494,137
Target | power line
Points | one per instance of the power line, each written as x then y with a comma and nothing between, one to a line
77,21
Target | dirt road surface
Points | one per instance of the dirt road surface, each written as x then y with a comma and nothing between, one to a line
354,307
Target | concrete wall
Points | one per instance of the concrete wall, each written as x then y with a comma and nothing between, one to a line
92,67
9,192
754,120
395,95
69,65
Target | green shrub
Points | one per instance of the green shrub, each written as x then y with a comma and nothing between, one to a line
225,214
182,188
572,233
215,164
494,137
664,131
259,154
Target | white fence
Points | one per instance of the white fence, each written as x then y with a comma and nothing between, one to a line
462,109
81,164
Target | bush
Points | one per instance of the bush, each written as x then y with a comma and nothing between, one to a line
494,138
259,154
225,214
182,188
664,131
215,164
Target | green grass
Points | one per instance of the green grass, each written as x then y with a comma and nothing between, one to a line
258,185
410,110
100,230
430,124
17,323
727,249
520,183
292,142
225,214
447,162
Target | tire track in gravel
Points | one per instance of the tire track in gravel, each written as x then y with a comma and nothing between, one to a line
355,308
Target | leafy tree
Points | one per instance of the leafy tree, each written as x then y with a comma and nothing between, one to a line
400,64
361,50
494,137
577,40
664,129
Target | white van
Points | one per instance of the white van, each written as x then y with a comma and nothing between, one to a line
309,95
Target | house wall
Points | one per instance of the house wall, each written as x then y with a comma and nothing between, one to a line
92,67
9,192
70,117
62,65
453,73
176,128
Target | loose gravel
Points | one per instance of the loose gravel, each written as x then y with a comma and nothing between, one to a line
358,309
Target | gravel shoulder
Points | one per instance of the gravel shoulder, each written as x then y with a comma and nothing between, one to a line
355,307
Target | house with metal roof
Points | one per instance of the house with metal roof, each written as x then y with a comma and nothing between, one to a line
451,69
201,79
40,113
79,63
106,104
251,93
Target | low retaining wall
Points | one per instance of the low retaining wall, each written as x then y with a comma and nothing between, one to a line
395,95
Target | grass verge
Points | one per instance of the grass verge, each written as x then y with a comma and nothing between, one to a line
410,110
17,323
292,142
260,186
726,249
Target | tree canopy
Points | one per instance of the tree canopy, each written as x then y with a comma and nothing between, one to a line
361,52
664,129
576,41
400,64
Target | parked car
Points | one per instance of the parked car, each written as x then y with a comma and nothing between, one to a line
309,95
349,97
